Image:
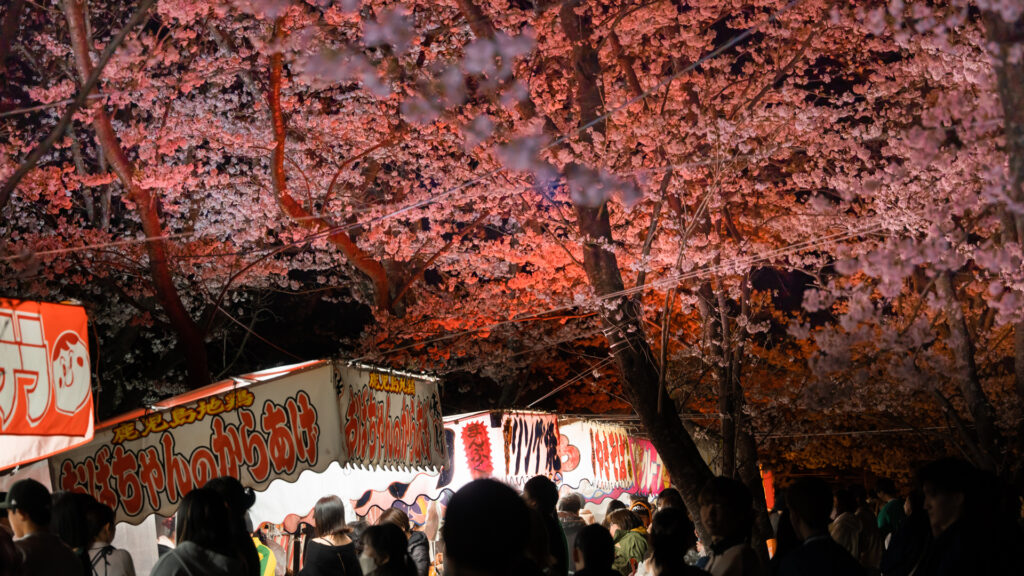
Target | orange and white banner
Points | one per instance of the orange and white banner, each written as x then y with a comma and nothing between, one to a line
44,369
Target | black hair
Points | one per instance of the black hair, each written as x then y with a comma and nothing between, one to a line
845,502
735,497
810,499
671,536
597,547
203,519
859,493
949,475
238,497
97,516
614,505
571,503
69,518
486,527
329,516
389,540
671,498
886,485
543,492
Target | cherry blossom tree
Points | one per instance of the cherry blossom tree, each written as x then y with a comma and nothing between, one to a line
783,220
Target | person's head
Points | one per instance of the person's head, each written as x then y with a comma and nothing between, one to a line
948,486
886,489
238,498
383,543
594,549
356,535
570,504
844,501
100,520
726,508
860,495
670,498
671,536
203,519
914,503
541,494
810,506
622,520
28,506
329,516
642,510
612,506
69,520
485,530
396,517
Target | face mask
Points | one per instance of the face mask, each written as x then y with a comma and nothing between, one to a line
367,564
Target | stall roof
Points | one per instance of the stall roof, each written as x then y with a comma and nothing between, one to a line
215,388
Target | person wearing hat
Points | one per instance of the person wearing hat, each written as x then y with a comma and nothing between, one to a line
28,510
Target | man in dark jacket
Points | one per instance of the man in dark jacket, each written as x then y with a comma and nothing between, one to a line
28,509
569,517
810,505
541,494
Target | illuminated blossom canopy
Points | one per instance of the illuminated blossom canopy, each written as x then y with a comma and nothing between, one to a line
801,219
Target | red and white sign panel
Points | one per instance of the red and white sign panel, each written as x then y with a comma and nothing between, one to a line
44,369
145,462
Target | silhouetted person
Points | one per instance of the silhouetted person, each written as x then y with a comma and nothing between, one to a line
727,511
891,515
671,537
485,532
907,544
239,499
670,498
29,507
630,540
204,546
810,505
332,552
418,547
385,552
871,542
569,518
541,494
68,521
104,559
846,529
594,551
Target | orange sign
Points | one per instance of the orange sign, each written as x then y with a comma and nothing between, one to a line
44,369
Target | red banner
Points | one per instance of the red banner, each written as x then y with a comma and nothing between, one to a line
44,369
391,419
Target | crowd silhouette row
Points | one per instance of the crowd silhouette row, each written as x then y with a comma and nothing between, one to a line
957,520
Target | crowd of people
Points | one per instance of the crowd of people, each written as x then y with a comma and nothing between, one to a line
957,521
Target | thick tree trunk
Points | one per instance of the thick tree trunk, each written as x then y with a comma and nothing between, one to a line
726,389
191,338
962,346
624,331
622,318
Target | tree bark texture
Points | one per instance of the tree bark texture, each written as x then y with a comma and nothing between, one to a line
191,338
970,383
